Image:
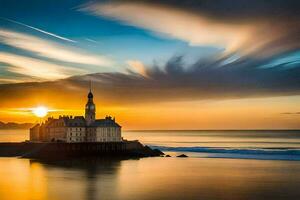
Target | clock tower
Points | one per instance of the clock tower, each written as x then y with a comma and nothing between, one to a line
90,109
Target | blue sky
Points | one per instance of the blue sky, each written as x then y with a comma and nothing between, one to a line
52,40
112,39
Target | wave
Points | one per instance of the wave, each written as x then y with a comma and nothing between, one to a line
253,153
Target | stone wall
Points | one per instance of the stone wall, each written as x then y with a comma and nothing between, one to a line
56,150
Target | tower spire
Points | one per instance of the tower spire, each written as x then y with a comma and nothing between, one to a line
90,108
90,85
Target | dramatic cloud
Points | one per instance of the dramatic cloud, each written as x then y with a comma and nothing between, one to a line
173,22
249,27
215,78
35,68
50,49
232,10
138,67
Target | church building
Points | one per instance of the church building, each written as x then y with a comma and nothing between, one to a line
78,128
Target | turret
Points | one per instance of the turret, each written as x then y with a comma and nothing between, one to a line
90,108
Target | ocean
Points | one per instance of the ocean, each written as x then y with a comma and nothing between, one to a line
235,165
266,145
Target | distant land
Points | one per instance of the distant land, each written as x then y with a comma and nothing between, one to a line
13,125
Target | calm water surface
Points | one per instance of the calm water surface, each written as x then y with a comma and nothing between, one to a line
265,145
150,178
214,169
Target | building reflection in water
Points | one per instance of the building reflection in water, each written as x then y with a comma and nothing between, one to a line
93,177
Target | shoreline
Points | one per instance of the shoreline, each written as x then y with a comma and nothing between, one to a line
46,150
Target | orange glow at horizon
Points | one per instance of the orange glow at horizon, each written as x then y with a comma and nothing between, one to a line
256,113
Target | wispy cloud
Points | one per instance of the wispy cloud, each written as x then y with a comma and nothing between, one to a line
205,79
7,80
39,30
175,81
51,49
210,26
37,69
30,111
291,113
10,80
138,67
173,22
92,41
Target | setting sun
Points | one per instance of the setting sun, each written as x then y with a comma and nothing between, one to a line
40,111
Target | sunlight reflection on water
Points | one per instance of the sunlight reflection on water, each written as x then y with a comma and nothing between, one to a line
149,178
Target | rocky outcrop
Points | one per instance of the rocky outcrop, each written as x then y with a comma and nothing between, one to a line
182,156
70,150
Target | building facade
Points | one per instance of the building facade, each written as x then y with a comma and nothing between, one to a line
78,129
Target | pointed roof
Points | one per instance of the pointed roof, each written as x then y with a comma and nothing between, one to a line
90,95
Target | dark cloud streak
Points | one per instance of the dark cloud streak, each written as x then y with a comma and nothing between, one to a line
271,27
291,113
234,10
206,79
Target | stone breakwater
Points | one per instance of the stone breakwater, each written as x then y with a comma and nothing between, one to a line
53,150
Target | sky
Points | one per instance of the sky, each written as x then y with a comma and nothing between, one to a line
170,64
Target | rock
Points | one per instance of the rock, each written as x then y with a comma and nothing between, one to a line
182,156
147,151
158,152
61,150
168,156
